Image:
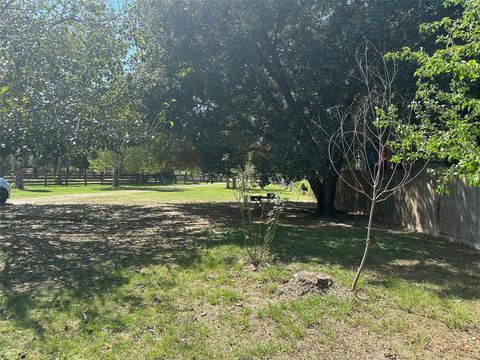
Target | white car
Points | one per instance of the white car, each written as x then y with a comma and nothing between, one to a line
4,191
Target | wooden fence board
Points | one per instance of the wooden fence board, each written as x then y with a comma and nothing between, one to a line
419,207
48,179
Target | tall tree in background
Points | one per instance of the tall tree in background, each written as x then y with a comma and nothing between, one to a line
60,58
248,77
124,123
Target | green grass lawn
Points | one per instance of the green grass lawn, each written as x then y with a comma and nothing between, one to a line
160,193
127,281
55,190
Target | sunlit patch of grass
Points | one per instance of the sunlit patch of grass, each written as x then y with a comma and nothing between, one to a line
273,273
451,311
176,193
218,296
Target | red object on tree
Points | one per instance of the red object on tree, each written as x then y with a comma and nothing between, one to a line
383,157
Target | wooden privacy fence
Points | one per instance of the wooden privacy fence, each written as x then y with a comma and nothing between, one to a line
418,207
48,179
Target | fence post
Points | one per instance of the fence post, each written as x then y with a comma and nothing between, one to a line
85,178
45,179
101,177
66,176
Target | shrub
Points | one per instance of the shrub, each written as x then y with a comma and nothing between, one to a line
258,219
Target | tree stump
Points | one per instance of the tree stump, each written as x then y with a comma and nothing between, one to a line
305,282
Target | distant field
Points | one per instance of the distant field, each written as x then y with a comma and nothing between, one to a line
150,193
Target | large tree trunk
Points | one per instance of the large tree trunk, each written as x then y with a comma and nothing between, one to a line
328,201
117,170
18,171
19,178
317,188
227,183
324,190
116,175
59,180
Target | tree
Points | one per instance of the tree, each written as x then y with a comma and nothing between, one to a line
125,124
59,59
369,139
447,100
249,76
169,152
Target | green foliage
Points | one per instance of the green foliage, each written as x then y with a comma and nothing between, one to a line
147,158
105,161
70,85
448,95
58,60
257,78
171,151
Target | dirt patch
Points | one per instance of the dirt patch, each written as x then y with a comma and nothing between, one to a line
305,282
248,266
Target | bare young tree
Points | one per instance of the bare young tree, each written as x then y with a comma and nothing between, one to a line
376,162
258,220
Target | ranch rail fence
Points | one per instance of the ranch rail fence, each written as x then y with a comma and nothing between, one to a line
418,207
66,179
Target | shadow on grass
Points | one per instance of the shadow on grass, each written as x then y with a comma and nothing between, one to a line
156,188
452,268
29,190
84,250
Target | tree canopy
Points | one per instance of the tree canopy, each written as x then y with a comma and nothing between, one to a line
248,80
59,60
70,82
236,81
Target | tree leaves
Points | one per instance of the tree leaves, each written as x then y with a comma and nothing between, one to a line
447,100
60,59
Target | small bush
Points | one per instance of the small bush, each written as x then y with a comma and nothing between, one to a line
259,219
